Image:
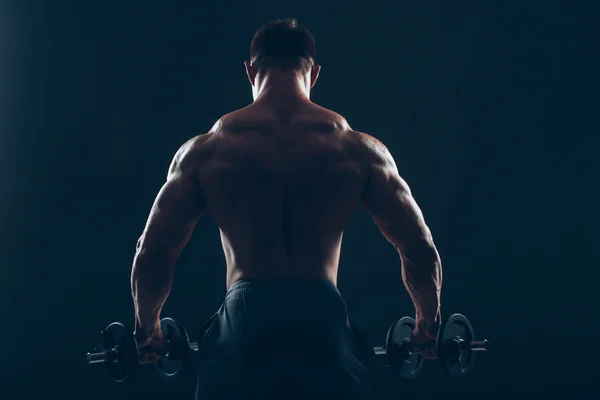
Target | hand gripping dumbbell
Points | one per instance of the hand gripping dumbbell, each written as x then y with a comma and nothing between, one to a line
120,354
455,347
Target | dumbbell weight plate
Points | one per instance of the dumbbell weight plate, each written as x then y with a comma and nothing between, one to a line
175,364
116,335
405,364
455,362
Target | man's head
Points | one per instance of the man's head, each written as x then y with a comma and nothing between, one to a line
282,47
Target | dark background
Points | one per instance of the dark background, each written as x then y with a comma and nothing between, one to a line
488,107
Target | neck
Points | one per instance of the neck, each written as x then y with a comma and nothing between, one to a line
281,87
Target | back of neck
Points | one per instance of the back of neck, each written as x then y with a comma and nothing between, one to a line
280,88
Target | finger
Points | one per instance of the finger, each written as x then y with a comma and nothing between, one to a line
146,359
428,354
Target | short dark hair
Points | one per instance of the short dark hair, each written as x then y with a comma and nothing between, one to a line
283,44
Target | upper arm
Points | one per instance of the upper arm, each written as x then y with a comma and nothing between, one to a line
389,201
177,206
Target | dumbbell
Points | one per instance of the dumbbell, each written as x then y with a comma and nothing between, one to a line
120,354
455,347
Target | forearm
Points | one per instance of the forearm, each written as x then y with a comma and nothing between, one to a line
151,282
422,276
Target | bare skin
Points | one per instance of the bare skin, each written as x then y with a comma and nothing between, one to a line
281,177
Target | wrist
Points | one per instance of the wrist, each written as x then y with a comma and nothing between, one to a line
429,321
146,330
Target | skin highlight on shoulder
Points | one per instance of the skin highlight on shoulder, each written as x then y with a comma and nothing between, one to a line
191,153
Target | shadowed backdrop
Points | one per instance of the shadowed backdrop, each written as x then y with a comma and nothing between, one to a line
486,106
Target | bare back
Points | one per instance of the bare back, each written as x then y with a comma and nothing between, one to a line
281,184
281,187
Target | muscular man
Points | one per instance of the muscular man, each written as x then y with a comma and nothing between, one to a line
281,177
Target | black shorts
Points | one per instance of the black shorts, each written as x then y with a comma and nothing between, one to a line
282,339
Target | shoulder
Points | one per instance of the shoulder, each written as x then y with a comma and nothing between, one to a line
360,139
368,146
232,119
341,124
371,144
371,150
192,153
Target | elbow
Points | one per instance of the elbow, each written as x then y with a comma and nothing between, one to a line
423,253
150,262
149,249
151,270
151,256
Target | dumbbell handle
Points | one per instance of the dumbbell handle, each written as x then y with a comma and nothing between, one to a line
101,356
111,355
479,345
476,345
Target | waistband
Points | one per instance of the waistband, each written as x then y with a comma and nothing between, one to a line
299,299
284,285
